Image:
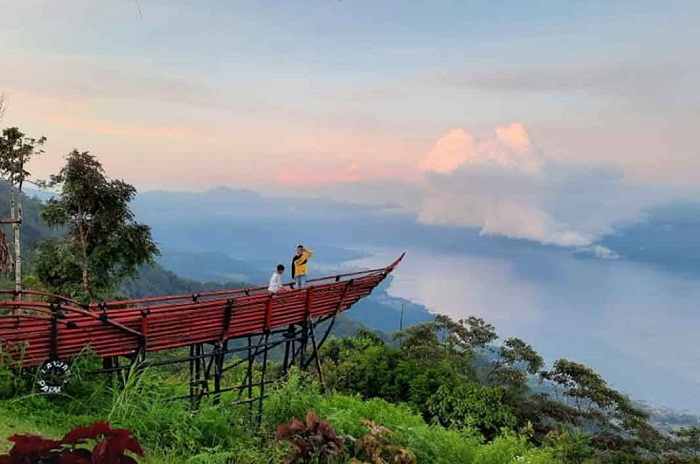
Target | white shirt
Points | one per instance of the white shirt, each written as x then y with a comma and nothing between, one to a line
275,282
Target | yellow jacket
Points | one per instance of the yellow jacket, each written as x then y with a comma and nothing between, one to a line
300,264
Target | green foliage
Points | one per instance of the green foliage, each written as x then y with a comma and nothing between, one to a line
220,434
292,398
104,241
379,447
346,414
16,149
58,268
447,340
33,228
15,152
687,441
366,366
512,449
445,371
574,448
7,382
516,360
473,406
590,401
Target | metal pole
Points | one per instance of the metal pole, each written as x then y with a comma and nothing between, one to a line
251,358
262,380
318,359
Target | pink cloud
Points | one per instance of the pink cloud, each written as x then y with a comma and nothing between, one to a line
515,137
449,152
511,148
350,173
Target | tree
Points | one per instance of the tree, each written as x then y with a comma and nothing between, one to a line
445,339
585,400
687,441
587,392
16,150
516,360
103,240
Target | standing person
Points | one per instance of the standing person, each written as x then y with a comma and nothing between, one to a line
276,280
300,265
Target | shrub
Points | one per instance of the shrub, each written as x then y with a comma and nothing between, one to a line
472,405
432,444
571,448
377,447
314,438
512,449
291,398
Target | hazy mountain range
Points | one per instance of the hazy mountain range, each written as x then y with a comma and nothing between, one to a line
264,229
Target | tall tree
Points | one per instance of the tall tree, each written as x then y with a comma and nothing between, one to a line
587,401
16,149
104,240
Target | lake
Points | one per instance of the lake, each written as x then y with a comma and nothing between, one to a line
634,324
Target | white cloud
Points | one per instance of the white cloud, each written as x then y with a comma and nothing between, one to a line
506,186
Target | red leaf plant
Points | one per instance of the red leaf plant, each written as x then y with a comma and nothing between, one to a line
110,447
312,439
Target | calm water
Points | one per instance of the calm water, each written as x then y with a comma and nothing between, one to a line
637,325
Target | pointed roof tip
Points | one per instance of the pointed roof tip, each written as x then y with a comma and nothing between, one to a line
396,263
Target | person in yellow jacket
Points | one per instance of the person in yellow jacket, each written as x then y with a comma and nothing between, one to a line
300,264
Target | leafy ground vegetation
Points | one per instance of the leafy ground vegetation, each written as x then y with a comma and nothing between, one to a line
299,424
418,401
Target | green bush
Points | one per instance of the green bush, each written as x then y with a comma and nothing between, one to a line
512,449
432,444
471,405
571,448
7,382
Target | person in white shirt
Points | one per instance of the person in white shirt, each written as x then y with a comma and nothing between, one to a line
276,280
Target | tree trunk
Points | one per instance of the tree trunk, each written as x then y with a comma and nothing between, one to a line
86,283
83,245
17,216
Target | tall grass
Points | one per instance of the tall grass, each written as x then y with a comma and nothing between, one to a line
430,443
221,434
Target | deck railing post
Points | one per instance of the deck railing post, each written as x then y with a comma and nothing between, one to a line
54,332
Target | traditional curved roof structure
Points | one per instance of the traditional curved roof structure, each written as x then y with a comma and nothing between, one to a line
42,327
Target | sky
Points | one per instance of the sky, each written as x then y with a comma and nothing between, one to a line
550,121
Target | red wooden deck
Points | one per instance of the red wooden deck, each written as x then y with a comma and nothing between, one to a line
122,328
